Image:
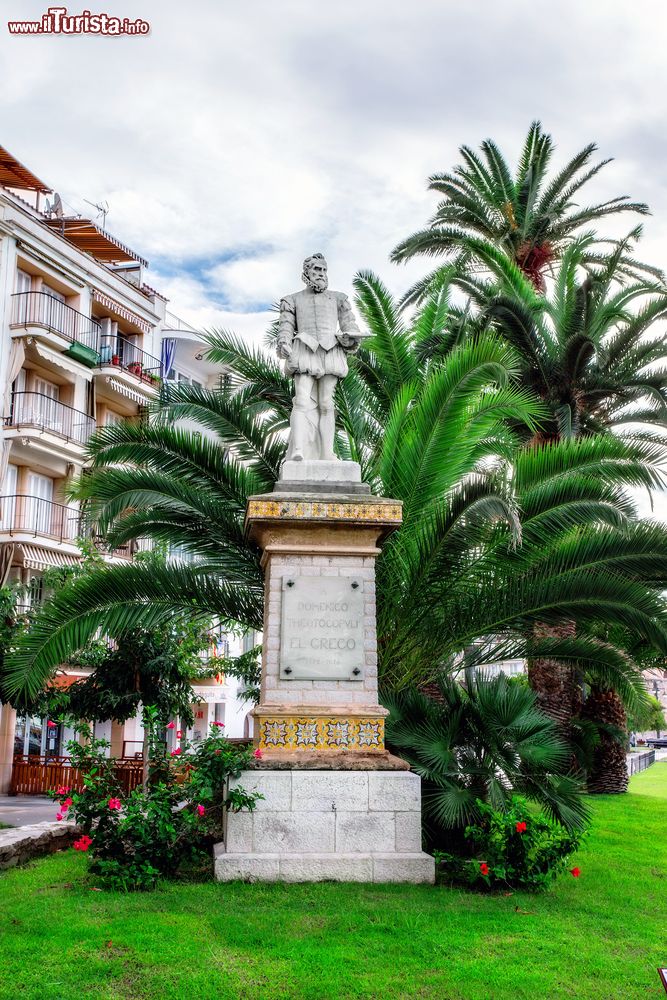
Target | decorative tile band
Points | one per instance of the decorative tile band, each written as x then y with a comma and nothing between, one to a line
320,733
290,510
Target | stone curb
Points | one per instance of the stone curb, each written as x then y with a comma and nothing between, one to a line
23,843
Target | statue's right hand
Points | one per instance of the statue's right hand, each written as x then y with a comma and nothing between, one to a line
283,349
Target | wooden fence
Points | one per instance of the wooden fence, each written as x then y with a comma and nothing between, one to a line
39,775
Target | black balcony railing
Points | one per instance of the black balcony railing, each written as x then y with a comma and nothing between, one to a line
34,409
20,513
42,309
120,353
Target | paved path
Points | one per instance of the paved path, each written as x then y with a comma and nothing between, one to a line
23,810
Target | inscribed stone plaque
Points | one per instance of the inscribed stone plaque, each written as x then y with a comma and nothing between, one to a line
322,634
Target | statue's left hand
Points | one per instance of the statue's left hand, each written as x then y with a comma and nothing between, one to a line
349,344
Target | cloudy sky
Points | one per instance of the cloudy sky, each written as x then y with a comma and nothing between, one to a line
237,137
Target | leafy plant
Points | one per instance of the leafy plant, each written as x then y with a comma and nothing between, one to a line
155,830
481,742
514,848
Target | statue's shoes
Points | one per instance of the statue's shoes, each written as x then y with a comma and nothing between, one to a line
297,456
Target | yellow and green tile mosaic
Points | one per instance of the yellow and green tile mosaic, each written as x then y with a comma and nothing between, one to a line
321,733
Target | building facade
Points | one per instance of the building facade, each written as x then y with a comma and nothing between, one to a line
84,342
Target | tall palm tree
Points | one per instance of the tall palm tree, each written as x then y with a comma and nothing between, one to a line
528,215
495,538
588,351
587,348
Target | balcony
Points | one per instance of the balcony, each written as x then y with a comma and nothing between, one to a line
35,411
126,551
122,355
41,310
22,515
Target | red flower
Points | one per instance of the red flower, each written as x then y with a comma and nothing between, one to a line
220,725
51,725
521,827
575,872
179,733
62,790
83,843
176,752
484,868
201,810
66,804
171,725
114,803
59,816
258,754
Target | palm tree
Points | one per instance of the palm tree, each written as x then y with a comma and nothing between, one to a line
585,348
496,538
486,741
528,216
587,351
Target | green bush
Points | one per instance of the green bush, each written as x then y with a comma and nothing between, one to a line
162,826
512,849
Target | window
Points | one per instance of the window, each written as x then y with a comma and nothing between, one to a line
46,406
23,281
38,509
175,376
9,501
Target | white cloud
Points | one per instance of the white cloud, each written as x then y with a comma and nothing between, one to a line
233,140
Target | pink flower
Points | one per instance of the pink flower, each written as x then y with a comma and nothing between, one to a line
201,810
83,843
176,752
179,734
114,803
66,804
62,790
171,725
258,754
59,816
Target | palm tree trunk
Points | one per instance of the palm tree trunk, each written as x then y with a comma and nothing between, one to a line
609,772
556,684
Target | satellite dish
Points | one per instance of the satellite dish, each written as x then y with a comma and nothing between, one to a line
55,207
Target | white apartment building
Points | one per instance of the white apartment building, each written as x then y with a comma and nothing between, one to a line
84,342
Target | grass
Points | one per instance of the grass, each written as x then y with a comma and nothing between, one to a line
599,936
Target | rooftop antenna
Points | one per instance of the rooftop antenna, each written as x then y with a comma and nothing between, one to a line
102,210
55,207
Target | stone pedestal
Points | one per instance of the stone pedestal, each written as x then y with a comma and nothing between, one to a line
312,825
336,804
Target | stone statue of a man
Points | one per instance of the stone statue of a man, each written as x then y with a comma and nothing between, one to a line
317,331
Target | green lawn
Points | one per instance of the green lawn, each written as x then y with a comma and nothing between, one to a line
599,936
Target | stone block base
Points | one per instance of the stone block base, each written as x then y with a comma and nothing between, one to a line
346,825
318,476
365,867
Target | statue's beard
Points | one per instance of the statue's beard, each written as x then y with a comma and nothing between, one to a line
318,284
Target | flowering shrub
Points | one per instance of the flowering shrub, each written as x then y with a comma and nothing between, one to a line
512,849
132,840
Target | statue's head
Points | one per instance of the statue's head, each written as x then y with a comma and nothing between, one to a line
315,272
